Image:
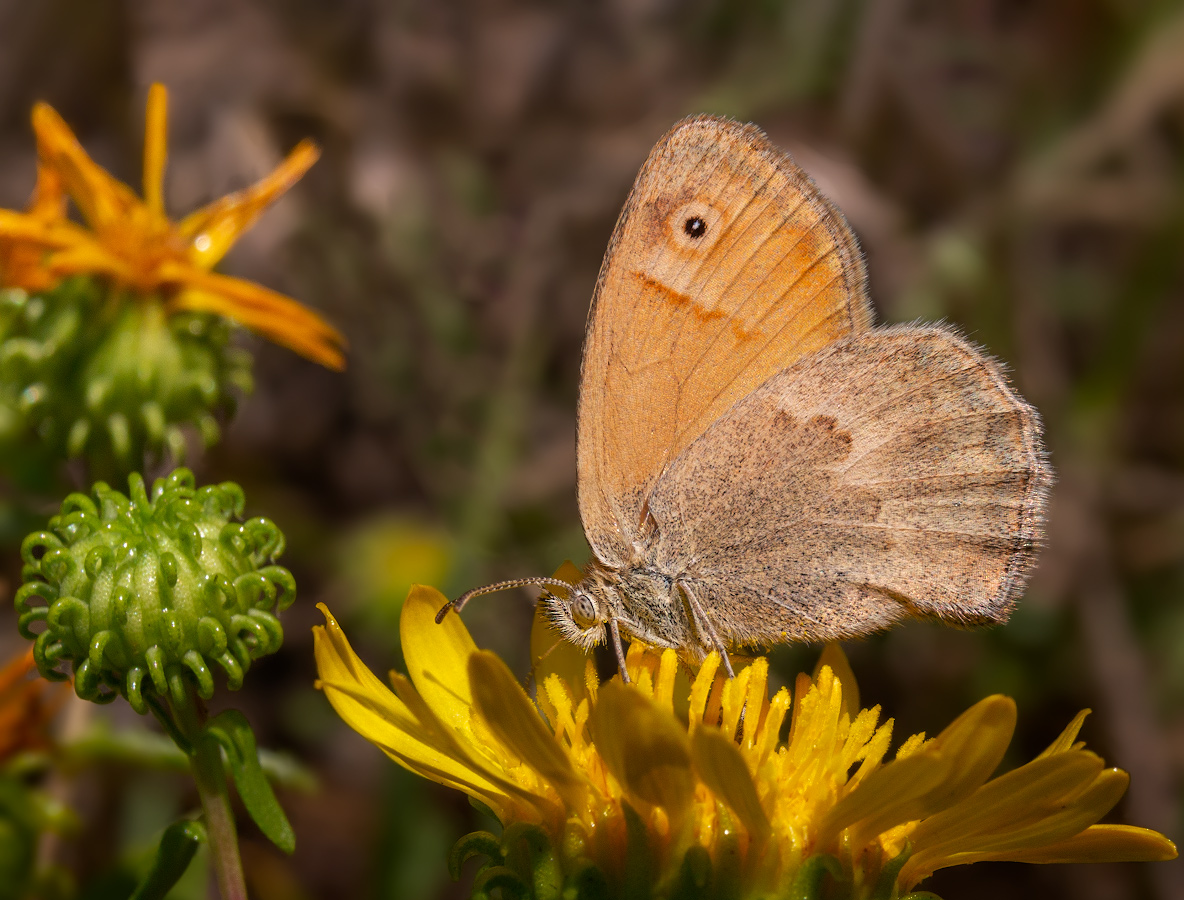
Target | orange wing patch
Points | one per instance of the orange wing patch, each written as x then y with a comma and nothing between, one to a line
678,299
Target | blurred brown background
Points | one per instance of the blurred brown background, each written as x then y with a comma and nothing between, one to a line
1015,167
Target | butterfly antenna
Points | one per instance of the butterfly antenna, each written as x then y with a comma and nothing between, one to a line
459,603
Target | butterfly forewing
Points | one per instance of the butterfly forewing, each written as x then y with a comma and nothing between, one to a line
892,474
726,266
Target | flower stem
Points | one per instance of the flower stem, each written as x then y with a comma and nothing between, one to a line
205,760
215,803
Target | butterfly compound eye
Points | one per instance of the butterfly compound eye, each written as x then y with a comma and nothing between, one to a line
695,227
583,610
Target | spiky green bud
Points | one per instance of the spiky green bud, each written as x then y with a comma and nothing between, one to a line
144,594
86,373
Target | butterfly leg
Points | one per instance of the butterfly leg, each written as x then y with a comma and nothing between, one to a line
615,633
710,629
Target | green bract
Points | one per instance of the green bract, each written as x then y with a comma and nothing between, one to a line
85,373
143,595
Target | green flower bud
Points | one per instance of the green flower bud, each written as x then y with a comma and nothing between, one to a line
144,594
85,373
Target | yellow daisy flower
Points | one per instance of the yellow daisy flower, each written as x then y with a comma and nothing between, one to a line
133,243
681,785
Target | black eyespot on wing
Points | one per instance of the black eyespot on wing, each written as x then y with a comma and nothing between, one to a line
695,227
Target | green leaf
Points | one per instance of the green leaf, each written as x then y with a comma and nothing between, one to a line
807,884
233,732
178,845
149,750
886,884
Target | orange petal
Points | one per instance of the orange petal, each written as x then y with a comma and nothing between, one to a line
89,257
268,313
156,131
15,226
102,199
48,203
212,230
16,670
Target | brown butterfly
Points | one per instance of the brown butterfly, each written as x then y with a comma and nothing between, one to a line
758,463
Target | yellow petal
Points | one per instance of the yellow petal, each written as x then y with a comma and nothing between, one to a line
721,767
644,747
640,663
550,654
212,230
1055,799
944,771
875,749
1103,843
1065,741
437,656
1013,800
156,131
817,717
895,793
833,656
478,754
701,689
735,692
669,688
975,742
514,720
559,708
366,705
1050,803
770,733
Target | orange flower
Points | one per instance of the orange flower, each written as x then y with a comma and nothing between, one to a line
134,244
26,706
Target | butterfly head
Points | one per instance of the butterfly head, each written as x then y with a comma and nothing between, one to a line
580,616
581,612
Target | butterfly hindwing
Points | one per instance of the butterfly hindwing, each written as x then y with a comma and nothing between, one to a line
892,474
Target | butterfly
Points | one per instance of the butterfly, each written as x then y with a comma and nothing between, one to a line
757,462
